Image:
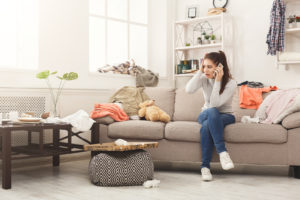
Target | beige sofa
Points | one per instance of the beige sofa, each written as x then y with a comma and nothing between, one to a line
179,140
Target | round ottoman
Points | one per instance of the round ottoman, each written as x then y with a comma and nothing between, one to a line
121,168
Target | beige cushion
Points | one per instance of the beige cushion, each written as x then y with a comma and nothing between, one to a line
164,98
291,121
104,120
188,106
183,131
262,133
136,129
239,112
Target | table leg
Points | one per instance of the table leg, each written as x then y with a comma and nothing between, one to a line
6,160
55,158
29,138
69,139
41,141
95,136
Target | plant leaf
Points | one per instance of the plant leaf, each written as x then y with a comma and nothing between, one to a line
59,77
43,74
70,76
54,73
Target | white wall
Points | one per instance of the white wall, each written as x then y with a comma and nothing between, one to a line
63,46
251,21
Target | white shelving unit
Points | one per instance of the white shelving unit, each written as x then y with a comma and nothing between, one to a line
184,33
289,32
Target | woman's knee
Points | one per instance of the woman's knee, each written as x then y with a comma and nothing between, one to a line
213,112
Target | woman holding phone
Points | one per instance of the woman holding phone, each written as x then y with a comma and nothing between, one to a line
218,88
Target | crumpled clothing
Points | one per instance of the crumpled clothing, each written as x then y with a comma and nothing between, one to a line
109,109
130,97
79,120
249,120
251,98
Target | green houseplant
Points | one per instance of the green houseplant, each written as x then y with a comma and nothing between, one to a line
212,38
55,96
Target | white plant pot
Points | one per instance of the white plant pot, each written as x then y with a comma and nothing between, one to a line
291,25
212,41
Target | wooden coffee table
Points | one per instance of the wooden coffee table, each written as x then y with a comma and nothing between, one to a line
56,148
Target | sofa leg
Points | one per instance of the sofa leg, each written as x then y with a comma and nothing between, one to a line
295,171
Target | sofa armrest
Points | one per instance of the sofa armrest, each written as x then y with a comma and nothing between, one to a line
105,120
291,121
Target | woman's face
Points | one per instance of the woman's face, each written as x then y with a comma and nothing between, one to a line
209,67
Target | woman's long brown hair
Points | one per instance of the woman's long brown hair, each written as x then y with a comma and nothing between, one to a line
219,57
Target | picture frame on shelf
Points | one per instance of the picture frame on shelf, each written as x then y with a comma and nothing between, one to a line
192,12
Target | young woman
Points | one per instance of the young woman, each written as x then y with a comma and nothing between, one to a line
218,89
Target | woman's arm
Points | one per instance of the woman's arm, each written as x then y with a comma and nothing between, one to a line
217,100
195,83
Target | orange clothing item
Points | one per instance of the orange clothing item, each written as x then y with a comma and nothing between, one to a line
109,109
251,98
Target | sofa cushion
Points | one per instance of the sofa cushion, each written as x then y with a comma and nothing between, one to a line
136,129
239,112
183,131
188,106
291,121
105,120
164,98
262,133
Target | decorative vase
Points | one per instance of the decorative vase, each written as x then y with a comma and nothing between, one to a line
54,111
291,25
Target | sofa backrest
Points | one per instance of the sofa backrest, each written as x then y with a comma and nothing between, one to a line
164,98
189,106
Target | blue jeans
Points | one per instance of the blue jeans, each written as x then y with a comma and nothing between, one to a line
212,132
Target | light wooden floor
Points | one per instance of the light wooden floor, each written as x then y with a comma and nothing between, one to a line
71,181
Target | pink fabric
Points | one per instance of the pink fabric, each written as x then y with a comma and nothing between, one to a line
278,102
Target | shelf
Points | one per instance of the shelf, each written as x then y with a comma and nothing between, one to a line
198,46
290,1
196,20
292,30
289,62
184,75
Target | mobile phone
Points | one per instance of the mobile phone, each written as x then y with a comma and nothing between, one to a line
219,65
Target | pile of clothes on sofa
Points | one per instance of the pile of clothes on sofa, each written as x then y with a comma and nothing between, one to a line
274,108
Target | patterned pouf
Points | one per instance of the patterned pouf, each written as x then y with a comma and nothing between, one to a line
121,168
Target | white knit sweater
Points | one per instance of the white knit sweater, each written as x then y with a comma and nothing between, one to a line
211,90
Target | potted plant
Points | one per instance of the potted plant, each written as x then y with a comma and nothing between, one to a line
203,36
55,96
199,39
212,39
291,20
207,38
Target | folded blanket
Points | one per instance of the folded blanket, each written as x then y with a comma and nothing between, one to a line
109,109
276,104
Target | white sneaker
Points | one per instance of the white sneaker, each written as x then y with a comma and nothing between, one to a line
206,175
225,160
